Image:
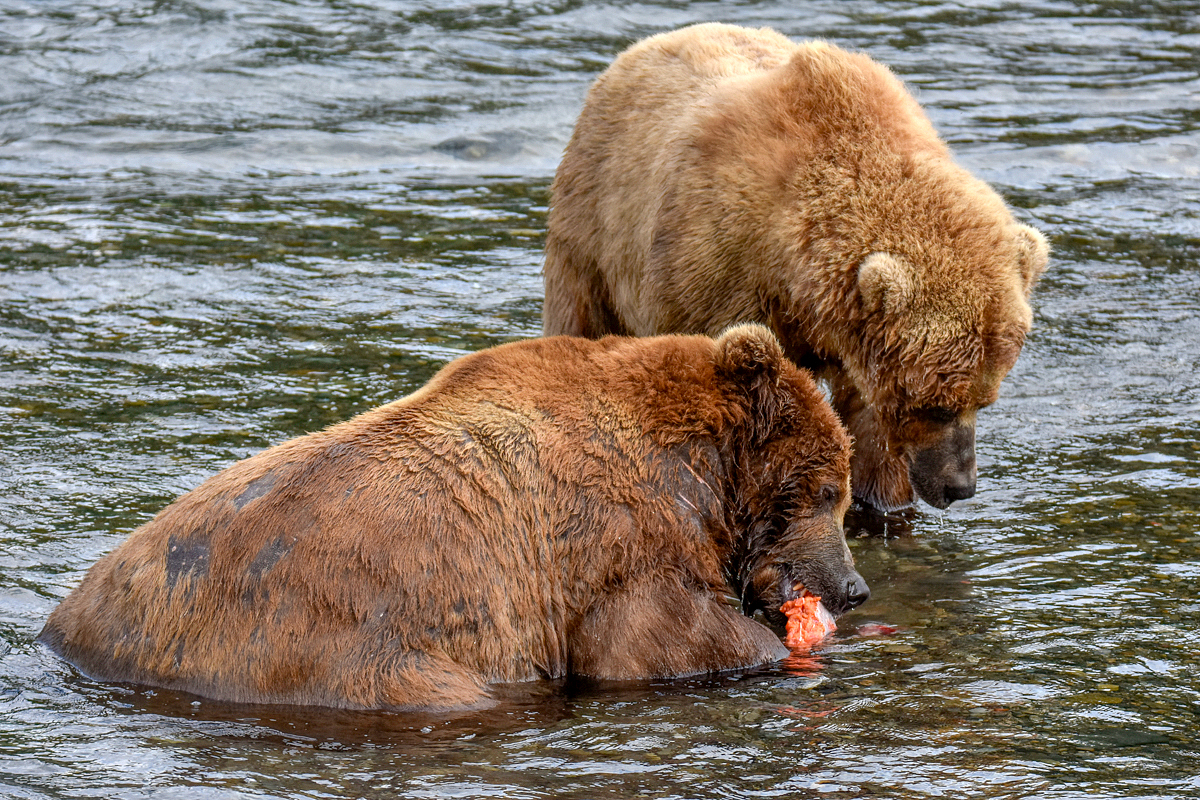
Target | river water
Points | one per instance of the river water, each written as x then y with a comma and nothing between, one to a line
224,224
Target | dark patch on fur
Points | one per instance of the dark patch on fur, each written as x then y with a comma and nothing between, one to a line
269,556
255,595
255,489
187,555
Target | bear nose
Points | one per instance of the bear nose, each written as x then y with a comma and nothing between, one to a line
959,490
857,592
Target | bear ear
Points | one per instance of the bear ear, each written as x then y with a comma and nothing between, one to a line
748,351
1032,254
885,281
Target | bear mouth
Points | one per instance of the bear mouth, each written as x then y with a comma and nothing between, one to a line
774,585
793,589
787,589
809,622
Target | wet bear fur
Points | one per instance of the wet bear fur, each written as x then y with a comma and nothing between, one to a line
719,174
545,508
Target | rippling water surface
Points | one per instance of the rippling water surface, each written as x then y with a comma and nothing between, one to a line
223,224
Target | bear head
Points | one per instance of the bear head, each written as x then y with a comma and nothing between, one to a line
951,321
925,277
791,482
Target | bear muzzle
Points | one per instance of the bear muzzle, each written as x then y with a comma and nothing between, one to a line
945,471
840,590
838,595
857,591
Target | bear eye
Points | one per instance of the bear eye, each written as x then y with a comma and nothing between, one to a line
829,494
942,416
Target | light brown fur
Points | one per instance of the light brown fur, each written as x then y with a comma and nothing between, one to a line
548,507
720,174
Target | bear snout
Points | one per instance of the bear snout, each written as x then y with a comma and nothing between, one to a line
945,471
857,592
842,593
941,488
839,589
961,486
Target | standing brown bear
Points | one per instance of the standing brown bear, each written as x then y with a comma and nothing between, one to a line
548,507
719,174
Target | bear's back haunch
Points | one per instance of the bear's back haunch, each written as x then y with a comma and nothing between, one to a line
719,175
458,537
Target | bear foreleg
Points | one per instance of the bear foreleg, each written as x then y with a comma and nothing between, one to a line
425,681
577,299
661,628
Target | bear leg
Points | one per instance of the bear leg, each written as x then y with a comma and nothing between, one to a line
431,682
660,628
577,299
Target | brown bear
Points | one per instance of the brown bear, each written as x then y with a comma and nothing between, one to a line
719,174
545,508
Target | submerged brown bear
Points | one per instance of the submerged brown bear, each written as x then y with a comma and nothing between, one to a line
719,174
549,507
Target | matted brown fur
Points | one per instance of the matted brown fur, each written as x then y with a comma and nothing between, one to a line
719,174
548,507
